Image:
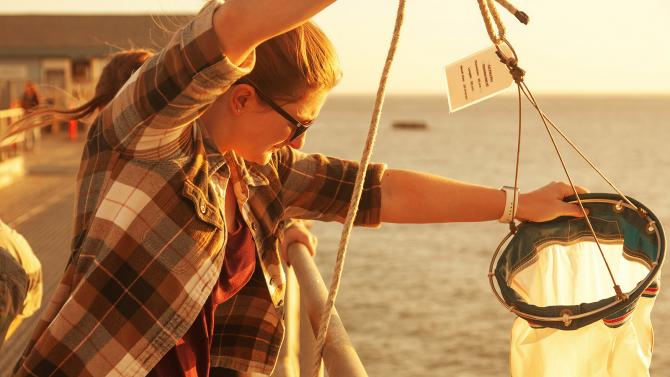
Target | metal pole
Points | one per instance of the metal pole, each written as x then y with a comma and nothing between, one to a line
339,355
289,364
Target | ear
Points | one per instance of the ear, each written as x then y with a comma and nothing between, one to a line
242,97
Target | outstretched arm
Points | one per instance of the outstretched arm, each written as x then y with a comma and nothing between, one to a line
412,197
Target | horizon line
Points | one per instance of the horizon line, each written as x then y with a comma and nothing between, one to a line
509,94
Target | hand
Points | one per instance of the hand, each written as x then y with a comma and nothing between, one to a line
547,203
298,232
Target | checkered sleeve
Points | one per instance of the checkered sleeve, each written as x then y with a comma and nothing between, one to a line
318,187
150,116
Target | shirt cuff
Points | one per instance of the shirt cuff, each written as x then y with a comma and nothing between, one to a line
369,209
219,72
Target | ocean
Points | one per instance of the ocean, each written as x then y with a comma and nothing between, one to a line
415,298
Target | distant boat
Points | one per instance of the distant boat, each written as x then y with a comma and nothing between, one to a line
410,125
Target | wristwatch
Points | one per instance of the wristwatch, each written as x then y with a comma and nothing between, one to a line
511,204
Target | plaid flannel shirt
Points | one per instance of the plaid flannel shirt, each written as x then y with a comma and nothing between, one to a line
149,230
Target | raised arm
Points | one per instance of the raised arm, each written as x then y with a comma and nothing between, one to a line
412,197
241,25
152,114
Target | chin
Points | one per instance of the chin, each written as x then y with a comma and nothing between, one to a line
263,159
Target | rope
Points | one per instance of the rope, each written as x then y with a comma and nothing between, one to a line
588,161
531,99
512,224
488,10
521,16
490,16
358,190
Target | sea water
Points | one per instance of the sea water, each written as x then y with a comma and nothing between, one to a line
415,298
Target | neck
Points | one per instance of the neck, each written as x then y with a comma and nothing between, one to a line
216,128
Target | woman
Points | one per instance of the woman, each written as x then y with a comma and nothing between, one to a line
188,176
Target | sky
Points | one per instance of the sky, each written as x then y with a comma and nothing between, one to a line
569,46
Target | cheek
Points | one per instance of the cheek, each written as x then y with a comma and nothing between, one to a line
263,135
273,132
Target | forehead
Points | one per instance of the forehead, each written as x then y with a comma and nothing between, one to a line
310,105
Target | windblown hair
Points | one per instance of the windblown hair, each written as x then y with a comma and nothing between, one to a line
119,69
292,64
288,67
114,75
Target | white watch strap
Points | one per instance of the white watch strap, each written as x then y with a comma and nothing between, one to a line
511,200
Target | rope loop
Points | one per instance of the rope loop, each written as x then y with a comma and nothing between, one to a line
512,62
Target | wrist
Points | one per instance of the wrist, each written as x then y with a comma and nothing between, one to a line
520,208
510,209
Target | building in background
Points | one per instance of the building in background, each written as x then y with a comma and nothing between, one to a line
64,54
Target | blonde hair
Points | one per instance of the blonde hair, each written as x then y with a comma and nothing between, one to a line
292,64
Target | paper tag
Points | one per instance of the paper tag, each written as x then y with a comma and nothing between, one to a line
476,78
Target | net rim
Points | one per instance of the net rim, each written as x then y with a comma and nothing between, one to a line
572,317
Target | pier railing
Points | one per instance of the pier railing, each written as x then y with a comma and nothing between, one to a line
307,291
22,141
8,117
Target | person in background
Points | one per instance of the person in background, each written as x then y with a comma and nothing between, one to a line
20,281
30,98
116,72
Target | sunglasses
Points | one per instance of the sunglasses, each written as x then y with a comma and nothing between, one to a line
300,127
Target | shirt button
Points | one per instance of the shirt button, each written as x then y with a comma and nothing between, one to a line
253,226
203,208
272,281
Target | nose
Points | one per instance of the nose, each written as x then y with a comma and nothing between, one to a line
298,143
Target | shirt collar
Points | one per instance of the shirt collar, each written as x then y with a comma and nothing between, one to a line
235,166
215,159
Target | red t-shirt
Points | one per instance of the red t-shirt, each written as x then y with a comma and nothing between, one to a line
190,357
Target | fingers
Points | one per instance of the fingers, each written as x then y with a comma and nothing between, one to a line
574,210
310,242
313,241
567,190
582,190
547,203
299,234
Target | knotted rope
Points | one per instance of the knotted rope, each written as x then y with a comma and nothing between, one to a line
489,13
358,190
